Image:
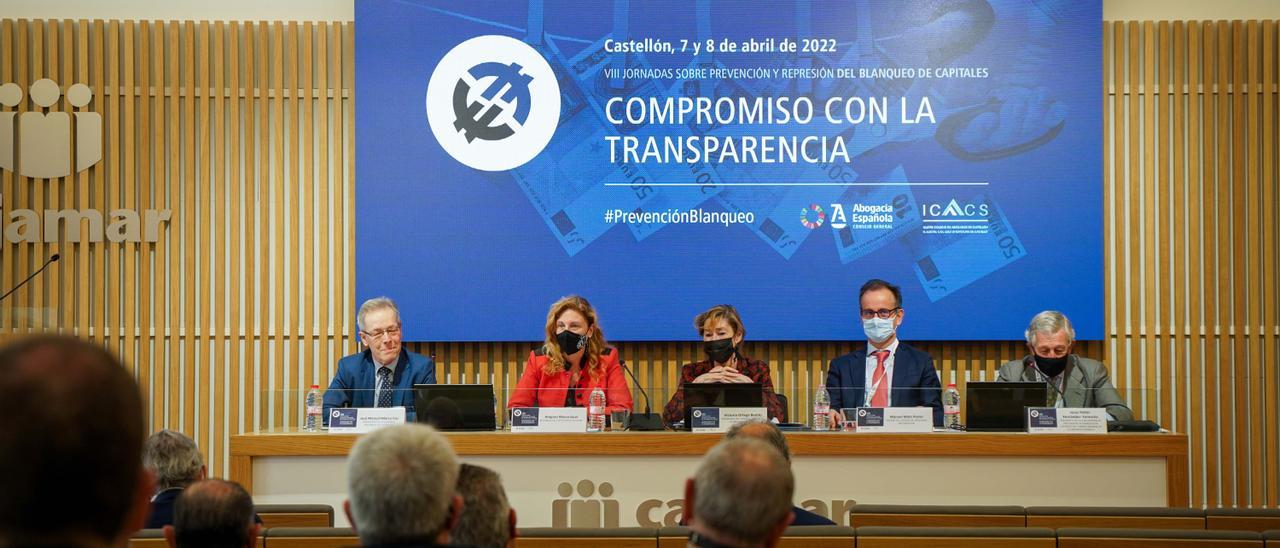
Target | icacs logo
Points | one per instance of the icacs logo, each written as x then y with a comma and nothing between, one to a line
955,210
493,103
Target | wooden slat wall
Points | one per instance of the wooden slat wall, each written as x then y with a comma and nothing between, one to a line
245,131
1190,198
242,130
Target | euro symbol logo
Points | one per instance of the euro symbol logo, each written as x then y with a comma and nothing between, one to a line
475,119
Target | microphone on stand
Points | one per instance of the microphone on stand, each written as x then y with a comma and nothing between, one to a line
647,421
52,259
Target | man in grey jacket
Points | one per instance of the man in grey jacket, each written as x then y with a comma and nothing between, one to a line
1074,381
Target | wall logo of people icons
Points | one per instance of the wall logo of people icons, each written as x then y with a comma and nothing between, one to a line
39,143
584,511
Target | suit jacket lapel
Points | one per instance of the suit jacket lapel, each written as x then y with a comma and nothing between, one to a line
858,378
1074,393
903,366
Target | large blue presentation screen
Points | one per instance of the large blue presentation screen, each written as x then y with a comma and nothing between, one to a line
661,157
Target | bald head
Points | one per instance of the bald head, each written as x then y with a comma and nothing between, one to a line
81,432
213,513
763,431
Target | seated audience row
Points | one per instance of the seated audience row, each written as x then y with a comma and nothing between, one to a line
82,433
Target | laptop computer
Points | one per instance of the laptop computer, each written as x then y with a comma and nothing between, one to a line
456,406
720,395
1001,406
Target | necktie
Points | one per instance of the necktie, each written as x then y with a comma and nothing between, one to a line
881,396
384,387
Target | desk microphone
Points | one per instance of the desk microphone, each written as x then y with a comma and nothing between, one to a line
52,259
646,421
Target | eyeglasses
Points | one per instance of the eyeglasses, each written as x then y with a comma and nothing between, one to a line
883,313
378,335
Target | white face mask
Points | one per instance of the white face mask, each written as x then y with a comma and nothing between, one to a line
878,330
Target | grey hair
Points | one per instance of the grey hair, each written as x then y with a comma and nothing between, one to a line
484,520
742,489
373,305
400,481
1049,322
173,458
762,430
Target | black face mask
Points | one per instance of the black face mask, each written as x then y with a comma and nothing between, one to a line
1051,366
719,350
570,342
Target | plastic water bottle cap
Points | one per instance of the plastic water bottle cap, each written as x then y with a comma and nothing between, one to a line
315,386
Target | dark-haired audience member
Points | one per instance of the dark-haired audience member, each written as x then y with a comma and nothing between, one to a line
72,457
740,497
768,433
213,513
488,520
176,462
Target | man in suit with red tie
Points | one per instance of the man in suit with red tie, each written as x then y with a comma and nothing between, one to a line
892,374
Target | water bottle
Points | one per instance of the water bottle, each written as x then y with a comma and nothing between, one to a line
315,405
595,411
821,406
951,407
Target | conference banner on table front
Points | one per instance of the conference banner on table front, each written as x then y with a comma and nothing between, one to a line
660,157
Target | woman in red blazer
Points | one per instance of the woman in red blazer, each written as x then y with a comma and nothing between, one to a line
572,362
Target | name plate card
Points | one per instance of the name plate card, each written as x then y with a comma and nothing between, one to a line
359,420
721,419
549,419
1066,420
894,419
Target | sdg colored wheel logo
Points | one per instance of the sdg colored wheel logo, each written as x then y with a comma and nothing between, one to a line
813,216
493,103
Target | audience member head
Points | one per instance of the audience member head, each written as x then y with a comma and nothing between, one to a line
72,455
174,459
487,518
763,431
213,513
401,486
740,495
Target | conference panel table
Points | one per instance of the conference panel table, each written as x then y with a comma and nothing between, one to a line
622,479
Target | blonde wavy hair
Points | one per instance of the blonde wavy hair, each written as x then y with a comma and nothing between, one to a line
595,342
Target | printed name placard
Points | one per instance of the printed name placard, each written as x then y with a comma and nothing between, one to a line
721,419
1066,420
894,419
358,420
549,419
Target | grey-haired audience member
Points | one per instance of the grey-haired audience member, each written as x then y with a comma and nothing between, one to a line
72,451
176,463
488,520
213,513
740,496
401,487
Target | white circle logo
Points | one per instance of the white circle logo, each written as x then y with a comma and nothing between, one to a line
517,413
336,413
862,412
493,103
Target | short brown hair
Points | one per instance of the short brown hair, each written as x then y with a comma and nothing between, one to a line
714,314
81,432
